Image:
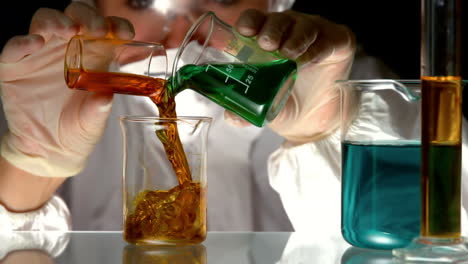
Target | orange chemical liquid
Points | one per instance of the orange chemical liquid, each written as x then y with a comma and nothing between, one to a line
177,215
170,139
122,83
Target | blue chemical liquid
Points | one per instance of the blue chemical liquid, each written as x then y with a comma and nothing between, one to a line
381,199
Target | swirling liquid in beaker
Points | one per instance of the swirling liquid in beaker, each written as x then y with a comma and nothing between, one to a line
381,193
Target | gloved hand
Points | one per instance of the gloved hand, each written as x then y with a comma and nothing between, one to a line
52,129
324,52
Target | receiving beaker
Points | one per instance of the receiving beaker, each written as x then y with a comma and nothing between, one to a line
111,65
381,155
232,71
164,179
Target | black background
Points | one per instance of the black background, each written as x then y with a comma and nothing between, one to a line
389,30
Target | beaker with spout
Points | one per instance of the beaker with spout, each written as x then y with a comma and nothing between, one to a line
232,71
380,141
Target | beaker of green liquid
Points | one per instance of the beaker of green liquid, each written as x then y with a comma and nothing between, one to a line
381,155
232,71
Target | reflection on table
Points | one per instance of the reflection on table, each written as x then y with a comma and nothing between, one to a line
167,254
220,247
354,255
32,247
27,257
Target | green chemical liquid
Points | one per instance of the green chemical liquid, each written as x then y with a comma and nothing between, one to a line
255,92
442,191
381,200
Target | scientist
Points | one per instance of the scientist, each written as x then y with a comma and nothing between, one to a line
51,133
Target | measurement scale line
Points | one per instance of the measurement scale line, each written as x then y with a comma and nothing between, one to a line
239,81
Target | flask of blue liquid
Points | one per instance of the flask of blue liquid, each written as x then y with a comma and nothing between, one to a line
381,154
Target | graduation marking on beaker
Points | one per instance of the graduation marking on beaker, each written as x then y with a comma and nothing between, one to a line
229,69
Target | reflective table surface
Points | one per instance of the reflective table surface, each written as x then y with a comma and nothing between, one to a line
219,247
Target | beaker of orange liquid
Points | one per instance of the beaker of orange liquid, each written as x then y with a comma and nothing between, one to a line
110,65
164,178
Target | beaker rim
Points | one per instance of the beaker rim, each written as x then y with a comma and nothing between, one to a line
409,89
143,119
191,31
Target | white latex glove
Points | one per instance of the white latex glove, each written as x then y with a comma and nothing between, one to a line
324,52
52,129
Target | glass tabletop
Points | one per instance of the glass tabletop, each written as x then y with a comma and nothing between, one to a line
219,247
